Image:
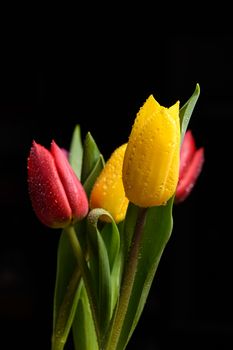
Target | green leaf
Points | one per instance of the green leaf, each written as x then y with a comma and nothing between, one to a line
66,292
64,272
76,151
156,233
111,237
103,252
187,110
90,180
93,163
128,228
83,329
91,155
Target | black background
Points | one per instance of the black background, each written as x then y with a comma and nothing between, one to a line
50,83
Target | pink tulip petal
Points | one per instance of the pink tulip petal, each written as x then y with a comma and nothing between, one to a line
187,182
66,153
187,151
46,190
74,190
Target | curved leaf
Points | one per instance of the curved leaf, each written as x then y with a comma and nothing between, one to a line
103,252
187,110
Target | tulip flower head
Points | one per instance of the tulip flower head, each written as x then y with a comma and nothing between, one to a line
58,197
151,162
108,191
191,164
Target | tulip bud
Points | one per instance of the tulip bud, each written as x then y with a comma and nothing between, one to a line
58,197
191,164
151,162
108,191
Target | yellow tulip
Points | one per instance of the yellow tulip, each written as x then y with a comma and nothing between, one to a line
151,162
108,191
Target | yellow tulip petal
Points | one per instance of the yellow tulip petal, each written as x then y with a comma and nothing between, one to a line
151,162
108,191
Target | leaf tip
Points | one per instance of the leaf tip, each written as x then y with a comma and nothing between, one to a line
198,88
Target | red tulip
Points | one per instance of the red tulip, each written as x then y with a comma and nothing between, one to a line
58,197
191,163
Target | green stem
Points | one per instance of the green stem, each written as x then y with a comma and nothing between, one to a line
127,283
85,275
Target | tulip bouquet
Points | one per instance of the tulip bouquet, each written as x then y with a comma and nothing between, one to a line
115,219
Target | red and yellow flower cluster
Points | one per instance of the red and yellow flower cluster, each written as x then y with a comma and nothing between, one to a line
147,170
